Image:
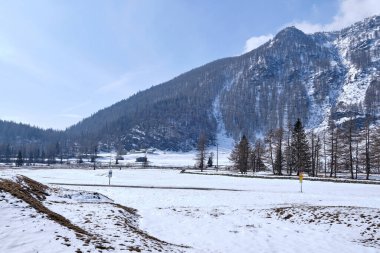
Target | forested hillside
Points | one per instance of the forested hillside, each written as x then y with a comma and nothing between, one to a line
317,78
33,142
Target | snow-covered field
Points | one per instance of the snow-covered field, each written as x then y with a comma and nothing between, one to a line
22,229
165,158
262,216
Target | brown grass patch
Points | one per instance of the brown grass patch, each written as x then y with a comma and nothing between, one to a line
18,191
127,209
36,188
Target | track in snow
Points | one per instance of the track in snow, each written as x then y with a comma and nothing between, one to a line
152,187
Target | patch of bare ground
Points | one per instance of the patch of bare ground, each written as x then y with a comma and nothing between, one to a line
127,209
18,190
365,222
40,191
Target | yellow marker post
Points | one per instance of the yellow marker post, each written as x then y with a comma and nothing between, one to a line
301,179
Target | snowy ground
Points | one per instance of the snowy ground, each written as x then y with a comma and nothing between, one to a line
264,216
164,158
69,221
24,230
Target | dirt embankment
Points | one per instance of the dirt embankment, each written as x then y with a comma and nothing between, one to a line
107,226
32,192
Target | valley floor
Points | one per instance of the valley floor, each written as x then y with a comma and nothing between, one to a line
191,213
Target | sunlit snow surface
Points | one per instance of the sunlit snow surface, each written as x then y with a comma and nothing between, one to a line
167,158
326,217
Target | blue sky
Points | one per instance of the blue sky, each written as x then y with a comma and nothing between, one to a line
61,61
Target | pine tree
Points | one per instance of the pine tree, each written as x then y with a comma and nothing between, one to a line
210,161
279,158
300,148
240,154
19,161
201,152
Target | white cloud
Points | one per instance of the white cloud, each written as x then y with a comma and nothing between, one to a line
255,42
307,27
350,11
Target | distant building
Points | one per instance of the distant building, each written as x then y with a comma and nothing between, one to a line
142,159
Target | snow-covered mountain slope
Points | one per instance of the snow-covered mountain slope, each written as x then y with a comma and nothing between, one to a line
314,77
319,78
359,51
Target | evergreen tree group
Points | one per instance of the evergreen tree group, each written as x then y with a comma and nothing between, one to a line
342,148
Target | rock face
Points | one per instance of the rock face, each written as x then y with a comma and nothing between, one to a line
319,78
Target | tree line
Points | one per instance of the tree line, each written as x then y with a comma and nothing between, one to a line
339,149
57,152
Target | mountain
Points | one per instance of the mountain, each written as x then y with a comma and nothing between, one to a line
319,78
31,141
19,134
